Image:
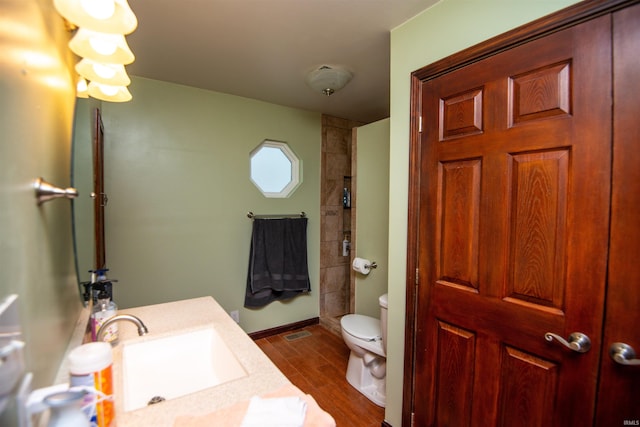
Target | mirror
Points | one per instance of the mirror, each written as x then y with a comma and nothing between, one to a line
82,178
275,169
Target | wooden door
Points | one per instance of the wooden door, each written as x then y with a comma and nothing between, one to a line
99,195
515,167
619,388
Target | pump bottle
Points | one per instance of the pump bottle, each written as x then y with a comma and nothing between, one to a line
104,309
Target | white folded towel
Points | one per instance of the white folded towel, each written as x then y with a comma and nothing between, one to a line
275,412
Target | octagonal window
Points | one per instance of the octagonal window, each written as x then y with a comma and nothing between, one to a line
275,169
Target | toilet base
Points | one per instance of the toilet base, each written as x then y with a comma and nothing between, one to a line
360,377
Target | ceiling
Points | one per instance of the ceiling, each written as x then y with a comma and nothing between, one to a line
264,49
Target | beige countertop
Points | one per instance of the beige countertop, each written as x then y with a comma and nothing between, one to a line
181,316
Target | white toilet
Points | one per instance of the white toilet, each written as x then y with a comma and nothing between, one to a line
366,338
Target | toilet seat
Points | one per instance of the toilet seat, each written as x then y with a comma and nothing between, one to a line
362,327
364,332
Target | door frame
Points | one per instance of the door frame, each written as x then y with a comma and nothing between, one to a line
565,18
99,195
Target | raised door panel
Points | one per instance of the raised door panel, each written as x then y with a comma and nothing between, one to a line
456,354
527,389
458,223
541,93
461,115
537,241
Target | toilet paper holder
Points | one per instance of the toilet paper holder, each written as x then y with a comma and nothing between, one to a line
363,265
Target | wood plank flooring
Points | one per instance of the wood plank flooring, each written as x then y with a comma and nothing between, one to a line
317,364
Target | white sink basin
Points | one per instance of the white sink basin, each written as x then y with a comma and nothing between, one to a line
174,366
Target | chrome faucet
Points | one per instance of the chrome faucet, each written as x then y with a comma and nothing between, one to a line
142,329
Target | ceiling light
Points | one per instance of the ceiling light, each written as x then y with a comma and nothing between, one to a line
328,79
106,16
108,74
101,47
109,92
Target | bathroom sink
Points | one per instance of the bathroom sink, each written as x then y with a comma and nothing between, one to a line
174,366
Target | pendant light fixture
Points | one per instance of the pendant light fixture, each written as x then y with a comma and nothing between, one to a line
109,93
105,16
108,74
81,88
100,42
101,47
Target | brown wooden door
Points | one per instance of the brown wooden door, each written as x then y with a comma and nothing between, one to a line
619,388
513,232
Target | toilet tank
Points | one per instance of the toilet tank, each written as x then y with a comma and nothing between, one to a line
383,319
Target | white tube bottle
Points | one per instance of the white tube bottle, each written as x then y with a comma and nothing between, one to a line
346,246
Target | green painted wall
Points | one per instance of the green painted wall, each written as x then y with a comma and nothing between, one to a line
446,28
177,178
36,115
372,213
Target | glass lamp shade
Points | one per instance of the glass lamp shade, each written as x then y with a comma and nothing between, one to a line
81,88
328,79
105,16
101,47
108,74
109,93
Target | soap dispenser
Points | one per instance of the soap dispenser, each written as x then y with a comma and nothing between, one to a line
97,283
104,309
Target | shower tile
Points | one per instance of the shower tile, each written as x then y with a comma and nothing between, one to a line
334,278
331,253
331,225
337,166
332,192
337,140
335,303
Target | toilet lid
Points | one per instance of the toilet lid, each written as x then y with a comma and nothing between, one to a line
362,327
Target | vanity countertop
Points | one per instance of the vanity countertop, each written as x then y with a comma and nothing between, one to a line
180,316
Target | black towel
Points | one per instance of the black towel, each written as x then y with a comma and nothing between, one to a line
277,261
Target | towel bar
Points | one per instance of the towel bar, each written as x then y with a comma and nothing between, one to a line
251,215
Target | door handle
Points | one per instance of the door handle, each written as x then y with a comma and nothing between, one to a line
577,341
623,354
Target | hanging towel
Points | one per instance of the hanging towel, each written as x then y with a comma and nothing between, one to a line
277,261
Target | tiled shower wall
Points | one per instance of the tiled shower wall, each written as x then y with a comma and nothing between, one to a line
335,172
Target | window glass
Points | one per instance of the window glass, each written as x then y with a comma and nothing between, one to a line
274,169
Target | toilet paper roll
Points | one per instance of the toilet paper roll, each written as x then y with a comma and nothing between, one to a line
361,265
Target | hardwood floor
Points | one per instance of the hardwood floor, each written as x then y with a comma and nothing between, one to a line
317,364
